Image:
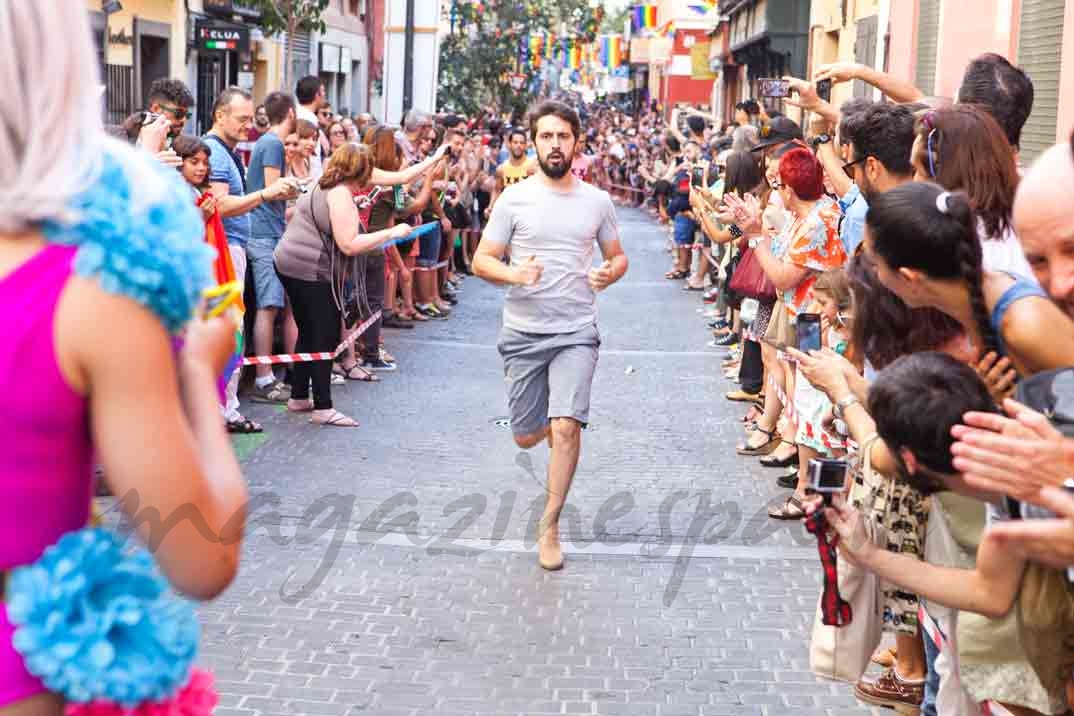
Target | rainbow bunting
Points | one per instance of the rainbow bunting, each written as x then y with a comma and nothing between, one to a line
668,28
605,47
576,56
615,51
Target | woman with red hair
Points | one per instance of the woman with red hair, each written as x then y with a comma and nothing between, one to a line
807,248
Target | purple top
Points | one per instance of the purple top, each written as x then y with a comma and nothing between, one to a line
46,465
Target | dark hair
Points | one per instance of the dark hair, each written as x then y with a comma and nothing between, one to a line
970,154
174,91
672,143
749,106
884,328
1002,90
743,174
186,146
307,88
800,170
696,124
277,106
851,112
225,98
516,130
886,132
555,109
910,230
916,401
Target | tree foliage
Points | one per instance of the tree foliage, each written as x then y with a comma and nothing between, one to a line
483,49
288,17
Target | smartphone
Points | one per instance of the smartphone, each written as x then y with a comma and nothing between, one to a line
773,87
697,176
824,90
827,476
808,328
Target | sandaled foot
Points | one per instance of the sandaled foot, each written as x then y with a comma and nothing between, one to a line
300,406
759,442
792,509
333,418
783,456
357,372
243,426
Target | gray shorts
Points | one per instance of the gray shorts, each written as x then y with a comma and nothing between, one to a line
548,376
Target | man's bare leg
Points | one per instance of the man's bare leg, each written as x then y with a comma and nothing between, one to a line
565,442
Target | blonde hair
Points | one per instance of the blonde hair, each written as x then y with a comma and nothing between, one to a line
50,111
350,162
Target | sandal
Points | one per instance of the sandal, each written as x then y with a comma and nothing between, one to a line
243,426
774,461
752,415
764,448
676,275
357,372
414,316
792,509
336,419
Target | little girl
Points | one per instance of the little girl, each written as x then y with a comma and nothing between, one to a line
230,264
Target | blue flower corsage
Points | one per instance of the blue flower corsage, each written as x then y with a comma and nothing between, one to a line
95,621
139,234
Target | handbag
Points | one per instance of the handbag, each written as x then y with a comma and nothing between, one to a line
780,329
843,653
750,280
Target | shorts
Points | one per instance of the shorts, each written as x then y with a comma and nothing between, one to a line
684,230
429,248
548,376
267,287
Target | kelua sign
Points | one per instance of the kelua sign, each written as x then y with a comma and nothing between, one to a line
213,36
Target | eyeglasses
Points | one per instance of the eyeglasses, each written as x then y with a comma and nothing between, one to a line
177,112
337,133
850,165
325,113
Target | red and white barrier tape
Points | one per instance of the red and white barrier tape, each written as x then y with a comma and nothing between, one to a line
931,628
310,357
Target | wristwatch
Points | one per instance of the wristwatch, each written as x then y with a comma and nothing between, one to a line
843,403
820,139
736,233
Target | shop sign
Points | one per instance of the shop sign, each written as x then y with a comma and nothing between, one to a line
211,36
119,38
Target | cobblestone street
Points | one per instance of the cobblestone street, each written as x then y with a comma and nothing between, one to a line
392,569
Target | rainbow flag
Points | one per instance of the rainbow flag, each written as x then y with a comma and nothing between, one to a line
703,8
615,51
668,28
605,46
644,17
576,57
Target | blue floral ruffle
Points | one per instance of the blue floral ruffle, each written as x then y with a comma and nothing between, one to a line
139,233
94,622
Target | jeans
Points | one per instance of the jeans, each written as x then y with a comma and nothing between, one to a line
932,680
374,289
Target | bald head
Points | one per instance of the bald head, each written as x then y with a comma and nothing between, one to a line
1044,222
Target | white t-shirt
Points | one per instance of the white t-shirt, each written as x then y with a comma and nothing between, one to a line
1004,254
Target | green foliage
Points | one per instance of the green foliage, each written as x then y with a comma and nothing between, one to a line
282,16
478,57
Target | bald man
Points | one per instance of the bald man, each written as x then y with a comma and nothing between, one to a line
1044,222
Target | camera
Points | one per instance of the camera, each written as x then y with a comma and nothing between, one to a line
827,477
824,90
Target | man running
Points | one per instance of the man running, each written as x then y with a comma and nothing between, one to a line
549,339
517,167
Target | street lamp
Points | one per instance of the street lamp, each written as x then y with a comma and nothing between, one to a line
109,7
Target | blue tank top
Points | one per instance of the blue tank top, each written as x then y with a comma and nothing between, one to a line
1021,288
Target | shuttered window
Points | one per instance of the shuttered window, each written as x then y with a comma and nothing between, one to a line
303,54
928,34
1040,45
865,52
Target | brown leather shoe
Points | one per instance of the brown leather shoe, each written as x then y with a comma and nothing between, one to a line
889,690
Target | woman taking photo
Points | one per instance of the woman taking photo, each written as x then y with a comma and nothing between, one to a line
924,243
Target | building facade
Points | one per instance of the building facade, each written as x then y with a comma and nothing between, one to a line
425,64
854,31
343,52
933,40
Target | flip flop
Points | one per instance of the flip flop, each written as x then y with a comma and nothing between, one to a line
336,419
360,374
243,426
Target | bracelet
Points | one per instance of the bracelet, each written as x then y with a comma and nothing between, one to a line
843,403
736,232
262,195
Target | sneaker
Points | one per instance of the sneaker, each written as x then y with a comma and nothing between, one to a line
731,339
272,393
376,364
428,310
717,324
788,481
891,691
450,298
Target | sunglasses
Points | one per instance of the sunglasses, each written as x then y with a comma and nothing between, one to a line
177,112
850,165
